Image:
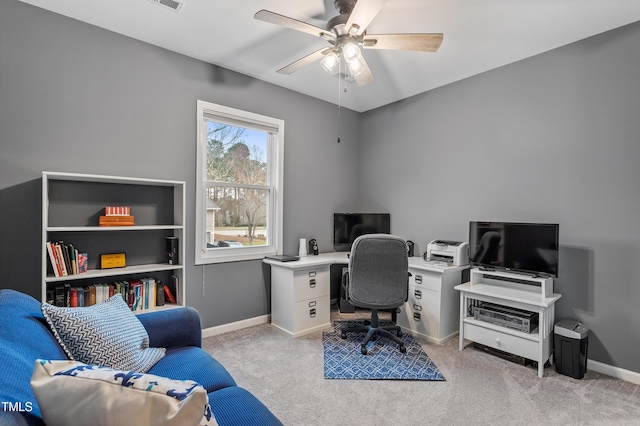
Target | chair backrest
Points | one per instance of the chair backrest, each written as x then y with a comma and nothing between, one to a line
378,272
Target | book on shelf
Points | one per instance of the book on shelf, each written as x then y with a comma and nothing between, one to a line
61,262
73,297
67,294
59,296
159,293
80,292
148,291
87,296
175,287
133,297
92,295
98,292
53,258
50,297
73,259
82,263
64,250
168,295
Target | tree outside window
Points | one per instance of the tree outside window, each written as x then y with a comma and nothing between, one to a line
236,164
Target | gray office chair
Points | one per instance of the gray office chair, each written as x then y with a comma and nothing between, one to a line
378,278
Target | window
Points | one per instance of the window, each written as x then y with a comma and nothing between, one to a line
238,184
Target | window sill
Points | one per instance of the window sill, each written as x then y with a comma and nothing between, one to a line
233,255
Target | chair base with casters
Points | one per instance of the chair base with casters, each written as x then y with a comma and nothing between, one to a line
374,329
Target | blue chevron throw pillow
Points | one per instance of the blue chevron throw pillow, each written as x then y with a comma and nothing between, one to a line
106,334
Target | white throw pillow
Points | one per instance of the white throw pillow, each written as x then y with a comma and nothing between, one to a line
106,334
73,393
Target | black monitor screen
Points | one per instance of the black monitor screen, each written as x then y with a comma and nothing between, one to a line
522,247
349,226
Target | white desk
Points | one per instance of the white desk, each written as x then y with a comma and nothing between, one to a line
300,296
300,292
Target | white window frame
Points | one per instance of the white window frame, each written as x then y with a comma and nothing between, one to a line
275,175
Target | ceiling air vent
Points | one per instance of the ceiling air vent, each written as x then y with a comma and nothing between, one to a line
174,5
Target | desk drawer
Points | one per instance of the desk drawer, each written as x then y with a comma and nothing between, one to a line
311,313
421,318
504,342
310,283
428,280
424,296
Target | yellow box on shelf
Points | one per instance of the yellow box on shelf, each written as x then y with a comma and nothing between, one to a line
112,260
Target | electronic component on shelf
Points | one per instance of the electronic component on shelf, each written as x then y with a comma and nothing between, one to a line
505,316
448,253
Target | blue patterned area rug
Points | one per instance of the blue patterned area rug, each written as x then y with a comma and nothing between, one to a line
343,359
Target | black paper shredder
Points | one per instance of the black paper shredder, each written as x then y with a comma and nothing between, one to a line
570,343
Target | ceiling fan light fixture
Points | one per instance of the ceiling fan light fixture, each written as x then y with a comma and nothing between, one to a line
329,61
351,52
353,57
355,67
347,34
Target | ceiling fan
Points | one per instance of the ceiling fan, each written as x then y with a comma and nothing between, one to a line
347,34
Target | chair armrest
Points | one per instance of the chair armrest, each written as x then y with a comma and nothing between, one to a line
173,328
345,282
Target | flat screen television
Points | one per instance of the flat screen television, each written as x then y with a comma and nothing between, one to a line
349,226
530,248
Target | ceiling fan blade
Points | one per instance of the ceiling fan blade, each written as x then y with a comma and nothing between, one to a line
365,76
420,42
363,13
312,57
294,24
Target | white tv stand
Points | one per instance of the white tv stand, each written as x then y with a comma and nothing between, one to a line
534,294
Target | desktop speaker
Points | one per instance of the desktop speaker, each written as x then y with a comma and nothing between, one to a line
313,247
410,248
172,250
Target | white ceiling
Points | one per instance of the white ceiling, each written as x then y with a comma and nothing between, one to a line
479,35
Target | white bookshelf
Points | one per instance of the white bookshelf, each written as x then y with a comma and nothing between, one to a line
71,206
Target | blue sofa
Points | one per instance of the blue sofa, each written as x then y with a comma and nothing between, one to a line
25,337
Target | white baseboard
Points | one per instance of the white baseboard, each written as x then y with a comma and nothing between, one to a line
238,325
609,370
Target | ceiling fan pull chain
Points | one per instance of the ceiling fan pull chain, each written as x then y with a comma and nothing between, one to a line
339,98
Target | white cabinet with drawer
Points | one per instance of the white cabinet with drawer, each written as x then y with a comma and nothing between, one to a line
528,293
300,299
521,345
432,310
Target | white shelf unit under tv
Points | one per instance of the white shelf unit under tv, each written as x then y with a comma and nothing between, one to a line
71,206
530,293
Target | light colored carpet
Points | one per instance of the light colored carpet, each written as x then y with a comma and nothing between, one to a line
286,374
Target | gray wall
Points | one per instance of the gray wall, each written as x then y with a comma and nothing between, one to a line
77,98
554,138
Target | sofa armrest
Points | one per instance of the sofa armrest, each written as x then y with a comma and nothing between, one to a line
173,328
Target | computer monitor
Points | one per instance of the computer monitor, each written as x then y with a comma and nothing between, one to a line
349,226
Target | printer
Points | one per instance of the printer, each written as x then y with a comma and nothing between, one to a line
449,253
